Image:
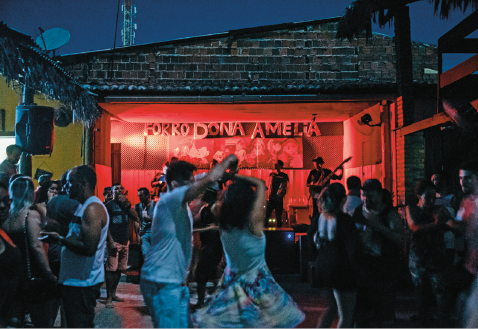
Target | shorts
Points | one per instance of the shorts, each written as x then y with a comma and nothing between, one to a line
118,261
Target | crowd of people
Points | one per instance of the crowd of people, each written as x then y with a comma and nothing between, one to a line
63,243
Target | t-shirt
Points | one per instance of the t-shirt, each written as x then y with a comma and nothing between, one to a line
82,271
278,179
171,240
145,224
119,222
62,209
315,175
352,202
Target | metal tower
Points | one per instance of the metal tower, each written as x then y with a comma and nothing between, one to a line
127,33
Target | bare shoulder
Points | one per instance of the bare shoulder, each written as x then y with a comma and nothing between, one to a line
95,211
33,215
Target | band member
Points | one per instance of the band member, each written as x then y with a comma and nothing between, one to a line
318,179
277,190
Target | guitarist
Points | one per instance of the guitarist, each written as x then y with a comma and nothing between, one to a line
277,189
315,181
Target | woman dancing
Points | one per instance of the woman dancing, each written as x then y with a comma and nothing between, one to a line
248,296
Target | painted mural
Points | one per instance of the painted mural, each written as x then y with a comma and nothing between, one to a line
252,153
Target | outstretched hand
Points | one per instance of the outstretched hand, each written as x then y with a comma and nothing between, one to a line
49,237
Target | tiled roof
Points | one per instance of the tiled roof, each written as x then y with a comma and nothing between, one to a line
252,88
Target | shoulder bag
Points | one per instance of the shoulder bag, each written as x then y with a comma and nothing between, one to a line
35,289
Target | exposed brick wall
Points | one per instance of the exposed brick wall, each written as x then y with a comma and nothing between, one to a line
414,160
308,52
410,150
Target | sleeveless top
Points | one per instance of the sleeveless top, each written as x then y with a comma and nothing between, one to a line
337,263
82,271
10,259
18,239
244,251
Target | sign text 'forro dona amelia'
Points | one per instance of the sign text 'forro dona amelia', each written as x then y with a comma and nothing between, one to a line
230,129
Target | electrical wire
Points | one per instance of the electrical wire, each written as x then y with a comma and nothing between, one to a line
110,71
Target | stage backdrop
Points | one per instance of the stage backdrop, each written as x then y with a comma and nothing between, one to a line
251,153
143,154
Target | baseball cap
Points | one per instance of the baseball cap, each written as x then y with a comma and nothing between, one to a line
372,185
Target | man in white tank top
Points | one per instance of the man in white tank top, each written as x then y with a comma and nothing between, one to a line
82,271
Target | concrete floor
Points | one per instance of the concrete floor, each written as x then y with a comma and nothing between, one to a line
132,313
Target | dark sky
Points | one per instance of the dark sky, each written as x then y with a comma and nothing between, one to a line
92,22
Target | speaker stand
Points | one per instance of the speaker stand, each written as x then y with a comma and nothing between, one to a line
26,164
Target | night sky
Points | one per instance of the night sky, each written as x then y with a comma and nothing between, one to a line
92,22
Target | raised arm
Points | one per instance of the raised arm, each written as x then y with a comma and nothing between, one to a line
412,213
214,175
258,211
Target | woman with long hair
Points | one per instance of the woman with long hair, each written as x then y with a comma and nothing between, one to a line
431,254
337,241
23,219
247,296
10,262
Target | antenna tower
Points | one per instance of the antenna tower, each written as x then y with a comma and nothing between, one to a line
127,33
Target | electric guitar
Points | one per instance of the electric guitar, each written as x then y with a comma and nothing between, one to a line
323,181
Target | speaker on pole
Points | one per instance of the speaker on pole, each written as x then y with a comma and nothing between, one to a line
34,129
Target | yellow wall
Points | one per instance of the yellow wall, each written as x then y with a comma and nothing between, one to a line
67,144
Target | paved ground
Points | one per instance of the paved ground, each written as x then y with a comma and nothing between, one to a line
133,313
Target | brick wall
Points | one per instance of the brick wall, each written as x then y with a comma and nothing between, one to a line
308,52
410,155
414,160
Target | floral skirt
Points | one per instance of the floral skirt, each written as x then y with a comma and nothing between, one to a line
251,300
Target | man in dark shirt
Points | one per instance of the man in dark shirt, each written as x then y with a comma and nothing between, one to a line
145,209
117,243
315,181
107,194
277,190
60,211
8,167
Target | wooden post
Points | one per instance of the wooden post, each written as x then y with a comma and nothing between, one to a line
404,66
386,146
88,151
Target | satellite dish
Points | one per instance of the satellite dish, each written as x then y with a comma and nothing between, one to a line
53,38
63,117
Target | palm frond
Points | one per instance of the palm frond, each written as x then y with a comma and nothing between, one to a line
443,7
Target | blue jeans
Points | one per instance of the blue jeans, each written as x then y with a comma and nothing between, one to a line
145,243
167,303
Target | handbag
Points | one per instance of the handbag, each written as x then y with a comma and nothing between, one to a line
35,289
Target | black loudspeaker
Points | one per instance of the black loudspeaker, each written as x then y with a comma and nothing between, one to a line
34,131
282,255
